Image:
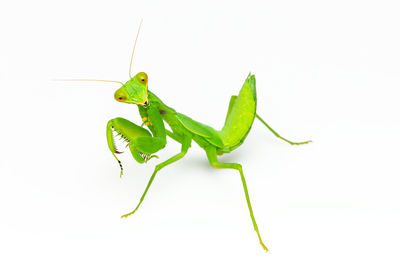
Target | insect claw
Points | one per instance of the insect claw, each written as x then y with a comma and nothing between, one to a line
148,157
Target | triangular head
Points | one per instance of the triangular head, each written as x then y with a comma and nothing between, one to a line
134,91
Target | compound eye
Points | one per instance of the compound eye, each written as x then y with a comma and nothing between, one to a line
120,95
142,77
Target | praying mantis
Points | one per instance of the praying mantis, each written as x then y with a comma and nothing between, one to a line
143,142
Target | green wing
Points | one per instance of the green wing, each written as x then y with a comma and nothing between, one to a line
241,113
238,122
207,132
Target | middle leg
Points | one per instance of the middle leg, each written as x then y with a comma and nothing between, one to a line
185,147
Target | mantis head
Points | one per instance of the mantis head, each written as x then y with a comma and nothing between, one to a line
134,91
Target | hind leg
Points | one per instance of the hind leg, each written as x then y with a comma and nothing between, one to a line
212,158
279,136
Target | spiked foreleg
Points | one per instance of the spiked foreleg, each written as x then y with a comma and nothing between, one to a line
130,132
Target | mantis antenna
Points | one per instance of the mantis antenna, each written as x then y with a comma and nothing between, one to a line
134,46
91,80
112,81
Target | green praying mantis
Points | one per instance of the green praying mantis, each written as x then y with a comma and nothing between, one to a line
144,143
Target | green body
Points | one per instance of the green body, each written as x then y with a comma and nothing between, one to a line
144,143
239,119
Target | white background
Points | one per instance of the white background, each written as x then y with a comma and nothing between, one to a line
326,70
